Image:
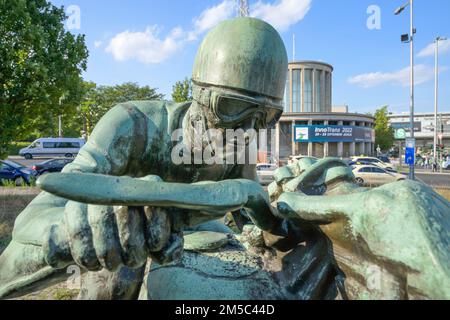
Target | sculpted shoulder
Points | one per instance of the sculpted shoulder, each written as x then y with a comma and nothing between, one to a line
163,114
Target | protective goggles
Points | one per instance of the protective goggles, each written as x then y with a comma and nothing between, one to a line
232,109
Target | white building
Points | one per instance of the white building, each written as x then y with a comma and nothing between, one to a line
424,127
311,126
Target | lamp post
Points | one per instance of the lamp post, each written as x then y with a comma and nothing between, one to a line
436,92
399,10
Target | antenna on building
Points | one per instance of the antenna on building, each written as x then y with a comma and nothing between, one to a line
293,47
243,8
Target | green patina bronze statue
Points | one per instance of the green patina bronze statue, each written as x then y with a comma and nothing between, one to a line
145,225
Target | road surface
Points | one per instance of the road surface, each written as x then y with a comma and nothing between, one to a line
436,180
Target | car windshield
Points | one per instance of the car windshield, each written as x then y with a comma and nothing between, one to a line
13,164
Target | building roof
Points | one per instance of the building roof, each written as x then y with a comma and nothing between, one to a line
311,62
331,116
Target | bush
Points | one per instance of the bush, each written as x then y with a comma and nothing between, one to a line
15,147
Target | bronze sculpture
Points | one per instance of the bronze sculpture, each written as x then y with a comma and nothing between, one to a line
124,198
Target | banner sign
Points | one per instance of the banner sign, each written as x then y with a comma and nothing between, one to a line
317,133
406,126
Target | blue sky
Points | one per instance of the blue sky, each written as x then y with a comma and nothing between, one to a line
154,43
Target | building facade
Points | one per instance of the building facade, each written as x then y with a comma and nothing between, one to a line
424,126
310,127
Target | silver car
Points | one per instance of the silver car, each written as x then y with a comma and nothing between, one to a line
375,176
265,172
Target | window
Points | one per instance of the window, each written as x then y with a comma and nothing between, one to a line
68,145
365,170
3,166
296,90
61,162
287,93
308,91
328,91
48,145
378,170
318,93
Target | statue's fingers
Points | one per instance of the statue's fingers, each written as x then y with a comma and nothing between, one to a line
172,252
304,164
283,174
319,209
105,236
79,233
157,228
131,227
320,172
55,247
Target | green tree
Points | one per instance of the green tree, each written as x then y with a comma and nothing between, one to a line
384,134
99,99
40,62
182,91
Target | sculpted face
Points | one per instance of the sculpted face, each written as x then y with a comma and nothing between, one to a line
229,111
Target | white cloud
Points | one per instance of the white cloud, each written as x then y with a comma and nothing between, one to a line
146,47
444,47
283,13
212,16
98,44
150,48
423,73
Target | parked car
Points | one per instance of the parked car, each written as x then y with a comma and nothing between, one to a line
265,172
366,163
375,161
15,172
53,165
384,158
53,147
372,175
294,159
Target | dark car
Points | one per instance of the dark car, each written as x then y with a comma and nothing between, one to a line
15,172
53,165
385,159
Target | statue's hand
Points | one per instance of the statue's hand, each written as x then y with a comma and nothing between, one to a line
112,228
403,223
312,177
98,236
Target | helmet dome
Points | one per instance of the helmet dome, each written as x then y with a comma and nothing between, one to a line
245,54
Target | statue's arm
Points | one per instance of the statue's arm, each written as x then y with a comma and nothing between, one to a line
112,148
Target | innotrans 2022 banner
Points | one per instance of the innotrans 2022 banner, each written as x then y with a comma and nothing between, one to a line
330,133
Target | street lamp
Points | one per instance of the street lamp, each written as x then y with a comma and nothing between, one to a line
399,10
436,91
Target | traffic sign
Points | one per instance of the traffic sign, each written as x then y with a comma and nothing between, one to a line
410,154
400,134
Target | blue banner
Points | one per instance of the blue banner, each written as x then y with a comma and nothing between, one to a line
321,133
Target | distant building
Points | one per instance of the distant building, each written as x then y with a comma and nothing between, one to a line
311,126
424,126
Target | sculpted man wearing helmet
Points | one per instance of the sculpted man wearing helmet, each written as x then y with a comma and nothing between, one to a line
129,201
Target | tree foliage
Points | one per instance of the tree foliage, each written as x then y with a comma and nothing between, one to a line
182,91
99,99
40,63
384,134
